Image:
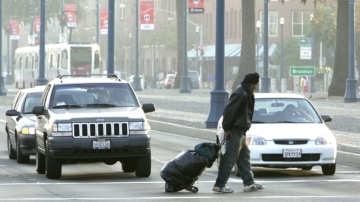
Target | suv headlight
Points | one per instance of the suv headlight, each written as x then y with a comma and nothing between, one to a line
255,140
137,126
61,129
325,140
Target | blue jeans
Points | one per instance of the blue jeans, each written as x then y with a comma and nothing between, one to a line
237,152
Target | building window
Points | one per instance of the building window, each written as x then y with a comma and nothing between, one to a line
273,22
235,24
122,10
300,23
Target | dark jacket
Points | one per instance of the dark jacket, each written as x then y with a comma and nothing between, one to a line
239,109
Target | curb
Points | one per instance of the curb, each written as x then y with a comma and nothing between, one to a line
343,158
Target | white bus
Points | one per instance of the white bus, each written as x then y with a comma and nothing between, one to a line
60,59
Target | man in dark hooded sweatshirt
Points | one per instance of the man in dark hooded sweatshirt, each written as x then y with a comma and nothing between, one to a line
237,117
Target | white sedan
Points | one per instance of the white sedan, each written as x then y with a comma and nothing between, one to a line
288,132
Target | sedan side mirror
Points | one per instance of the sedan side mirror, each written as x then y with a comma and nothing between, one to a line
12,112
326,118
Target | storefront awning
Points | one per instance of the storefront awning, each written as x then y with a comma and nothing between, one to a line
231,50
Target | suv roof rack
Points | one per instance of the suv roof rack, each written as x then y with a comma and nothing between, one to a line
87,75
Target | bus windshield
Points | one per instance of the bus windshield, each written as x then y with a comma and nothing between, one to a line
80,60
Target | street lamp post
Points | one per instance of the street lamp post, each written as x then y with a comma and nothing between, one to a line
2,83
130,55
154,68
8,77
351,93
197,48
137,85
258,24
312,82
282,53
265,80
185,80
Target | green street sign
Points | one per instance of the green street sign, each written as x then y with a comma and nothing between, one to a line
302,71
305,42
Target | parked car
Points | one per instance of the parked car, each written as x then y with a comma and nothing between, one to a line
20,124
195,81
288,132
73,125
143,83
167,82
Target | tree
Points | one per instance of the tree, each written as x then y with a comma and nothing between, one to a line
341,66
247,57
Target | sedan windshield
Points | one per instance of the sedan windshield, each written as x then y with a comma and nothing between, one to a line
284,110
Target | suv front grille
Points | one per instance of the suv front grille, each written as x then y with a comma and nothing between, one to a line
95,130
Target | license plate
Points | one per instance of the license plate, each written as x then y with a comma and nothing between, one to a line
292,153
101,144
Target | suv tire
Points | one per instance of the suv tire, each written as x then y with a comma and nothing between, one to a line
52,166
19,156
128,166
143,166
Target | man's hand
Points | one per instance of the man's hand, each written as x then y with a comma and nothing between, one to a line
227,134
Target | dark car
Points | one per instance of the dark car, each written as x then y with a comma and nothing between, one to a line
20,124
195,81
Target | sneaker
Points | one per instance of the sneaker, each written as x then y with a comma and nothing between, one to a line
224,189
253,187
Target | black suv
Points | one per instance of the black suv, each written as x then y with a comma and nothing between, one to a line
91,119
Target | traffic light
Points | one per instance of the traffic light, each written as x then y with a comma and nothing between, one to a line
63,20
8,29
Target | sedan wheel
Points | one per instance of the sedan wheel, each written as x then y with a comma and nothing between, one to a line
329,169
11,152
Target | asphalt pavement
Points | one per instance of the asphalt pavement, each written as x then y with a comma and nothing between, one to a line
185,114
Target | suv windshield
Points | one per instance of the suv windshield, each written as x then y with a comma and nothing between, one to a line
93,95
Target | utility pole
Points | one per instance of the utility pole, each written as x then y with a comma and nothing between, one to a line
2,83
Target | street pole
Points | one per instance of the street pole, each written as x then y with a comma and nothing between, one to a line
312,82
257,44
2,84
282,53
137,85
265,80
351,93
197,49
42,80
219,96
154,68
97,22
185,80
8,77
130,55
111,37
31,38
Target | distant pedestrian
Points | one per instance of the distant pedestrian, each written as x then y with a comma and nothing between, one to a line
237,116
211,79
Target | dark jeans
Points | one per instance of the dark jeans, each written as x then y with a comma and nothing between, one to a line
237,152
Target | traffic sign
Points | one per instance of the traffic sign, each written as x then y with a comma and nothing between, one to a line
302,71
305,42
305,53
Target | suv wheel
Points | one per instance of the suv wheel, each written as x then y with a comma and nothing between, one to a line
19,156
11,152
143,166
52,166
128,166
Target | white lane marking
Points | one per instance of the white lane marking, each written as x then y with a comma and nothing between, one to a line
2,121
213,196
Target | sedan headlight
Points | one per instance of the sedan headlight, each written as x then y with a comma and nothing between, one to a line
28,131
325,140
255,140
137,126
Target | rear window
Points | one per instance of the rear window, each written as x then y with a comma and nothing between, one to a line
194,75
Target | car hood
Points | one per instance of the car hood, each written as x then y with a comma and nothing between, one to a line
28,119
100,114
288,130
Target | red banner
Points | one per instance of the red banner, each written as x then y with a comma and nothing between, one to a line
36,24
104,19
196,6
15,30
70,11
147,15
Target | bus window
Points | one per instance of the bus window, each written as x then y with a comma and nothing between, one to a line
80,60
64,60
